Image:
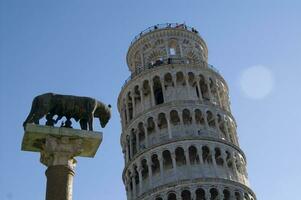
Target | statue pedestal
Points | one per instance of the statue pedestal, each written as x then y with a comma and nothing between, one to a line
58,148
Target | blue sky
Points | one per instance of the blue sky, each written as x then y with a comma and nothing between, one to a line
79,47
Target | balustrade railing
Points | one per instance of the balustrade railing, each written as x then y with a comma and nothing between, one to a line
164,26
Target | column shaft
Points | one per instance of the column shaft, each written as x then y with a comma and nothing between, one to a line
59,182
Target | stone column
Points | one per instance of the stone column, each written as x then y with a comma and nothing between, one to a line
212,150
199,89
174,163
187,86
139,168
127,110
124,116
181,50
161,165
150,173
163,88
141,57
127,153
58,155
137,141
131,146
227,131
200,152
219,99
134,183
58,148
169,127
141,95
205,119
133,101
152,92
146,135
209,90
180,113
186,152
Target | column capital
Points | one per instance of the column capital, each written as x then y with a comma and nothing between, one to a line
61,151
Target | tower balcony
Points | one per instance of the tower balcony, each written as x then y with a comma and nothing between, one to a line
166,43
164,26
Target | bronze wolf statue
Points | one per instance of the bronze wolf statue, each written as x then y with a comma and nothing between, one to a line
81,109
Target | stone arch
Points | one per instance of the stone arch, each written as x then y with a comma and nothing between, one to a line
193,155
155,57
155,164
231,130
128,143
144,171
191,79
229,160
213,88
199,118
186,195
180,78
174,117
210,119
172,196
239,163
159,42
146,88
141,134
135,174
130,180
150,125
227,195
137,96
134,141
130,105
187,119
158,92
222,126
192,57
168,80
162,121
218,157
206,155
125,112
146,95
173,47
200,194
246,196
237,196
167,160
180,156
204,88
213,194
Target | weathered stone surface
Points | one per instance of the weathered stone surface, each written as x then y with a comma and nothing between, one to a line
35,139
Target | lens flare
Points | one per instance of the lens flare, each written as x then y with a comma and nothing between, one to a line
257,82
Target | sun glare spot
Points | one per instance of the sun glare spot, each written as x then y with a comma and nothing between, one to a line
257,82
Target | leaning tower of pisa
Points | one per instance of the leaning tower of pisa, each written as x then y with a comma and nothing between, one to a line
178,134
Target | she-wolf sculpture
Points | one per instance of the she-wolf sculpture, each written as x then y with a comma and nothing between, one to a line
81,109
